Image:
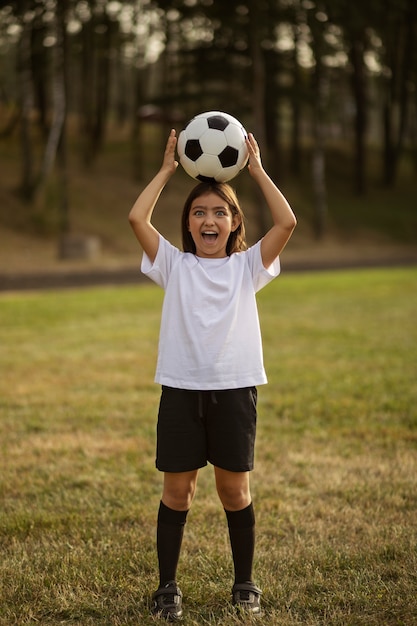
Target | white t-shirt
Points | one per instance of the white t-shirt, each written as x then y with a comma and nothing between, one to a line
210,337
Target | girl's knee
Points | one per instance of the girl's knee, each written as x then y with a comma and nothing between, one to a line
179,501
179,490
234,500
233,490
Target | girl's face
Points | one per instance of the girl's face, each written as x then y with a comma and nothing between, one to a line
210,223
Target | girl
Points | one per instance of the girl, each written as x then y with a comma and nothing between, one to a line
209,360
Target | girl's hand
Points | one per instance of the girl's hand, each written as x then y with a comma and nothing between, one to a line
169,163
255,163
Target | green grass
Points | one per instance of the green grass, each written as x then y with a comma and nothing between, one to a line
336,463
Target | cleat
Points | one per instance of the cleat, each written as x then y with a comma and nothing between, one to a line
247,596
167,602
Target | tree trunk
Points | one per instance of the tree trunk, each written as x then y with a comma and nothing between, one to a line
400,60
359,92
402,79
87,90
58,97
25,103
40,72
64,210
272,114
318,156
258,105
319,178
407,67
388,152
296,109
138,153
101,99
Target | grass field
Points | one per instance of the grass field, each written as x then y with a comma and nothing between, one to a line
335,484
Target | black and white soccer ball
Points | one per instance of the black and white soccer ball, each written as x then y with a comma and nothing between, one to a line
212,147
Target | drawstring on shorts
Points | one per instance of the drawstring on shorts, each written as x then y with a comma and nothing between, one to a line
213,400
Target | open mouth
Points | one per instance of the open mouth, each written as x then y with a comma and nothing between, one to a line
209,236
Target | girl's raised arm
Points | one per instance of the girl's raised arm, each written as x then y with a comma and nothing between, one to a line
284,220
140,215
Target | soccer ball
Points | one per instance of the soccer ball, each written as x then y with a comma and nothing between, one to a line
212,147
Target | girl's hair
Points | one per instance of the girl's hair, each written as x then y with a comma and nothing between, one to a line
237,238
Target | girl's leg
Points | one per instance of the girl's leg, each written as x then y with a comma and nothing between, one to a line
177,496
234,492
179,489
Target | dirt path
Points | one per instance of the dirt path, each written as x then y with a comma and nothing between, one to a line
27,263
130,275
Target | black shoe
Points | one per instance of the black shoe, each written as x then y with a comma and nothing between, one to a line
247,596
167,602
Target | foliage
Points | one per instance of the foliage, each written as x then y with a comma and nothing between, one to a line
335,476
294,71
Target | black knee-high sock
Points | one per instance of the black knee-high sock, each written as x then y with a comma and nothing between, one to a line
242,540
170,530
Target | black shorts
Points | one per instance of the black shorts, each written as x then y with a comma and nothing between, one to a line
196,427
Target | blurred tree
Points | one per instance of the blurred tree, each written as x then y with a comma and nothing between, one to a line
356,21
40,66
256,36
356,35
397,27
296,100
380,36
315,20
98,40
56,143
24,97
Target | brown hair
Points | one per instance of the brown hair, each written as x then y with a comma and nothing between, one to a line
237,238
